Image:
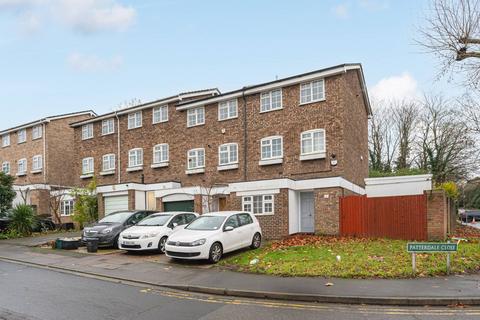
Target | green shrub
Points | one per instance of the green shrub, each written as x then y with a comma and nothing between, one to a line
450,188
9,234
85,209
23,219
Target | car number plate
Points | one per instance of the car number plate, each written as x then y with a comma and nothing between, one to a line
128,243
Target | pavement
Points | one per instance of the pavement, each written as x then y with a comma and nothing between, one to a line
157,270
32,293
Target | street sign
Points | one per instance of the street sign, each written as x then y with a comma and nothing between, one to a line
432,247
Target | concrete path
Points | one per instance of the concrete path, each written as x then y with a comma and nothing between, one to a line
201,277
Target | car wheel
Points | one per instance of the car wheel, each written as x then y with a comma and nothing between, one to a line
161,245
115,243
256,241
216,252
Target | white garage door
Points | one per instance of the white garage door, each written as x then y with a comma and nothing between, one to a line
112,204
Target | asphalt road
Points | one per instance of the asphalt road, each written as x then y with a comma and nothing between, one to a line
34,293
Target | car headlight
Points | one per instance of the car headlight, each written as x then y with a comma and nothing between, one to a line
149,235
107,230
198,242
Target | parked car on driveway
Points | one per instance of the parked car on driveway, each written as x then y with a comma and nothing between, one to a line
213,234
107,230
152,232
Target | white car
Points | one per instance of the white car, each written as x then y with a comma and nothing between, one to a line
152,232
213,234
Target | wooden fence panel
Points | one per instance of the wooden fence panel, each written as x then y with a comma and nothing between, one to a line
401,217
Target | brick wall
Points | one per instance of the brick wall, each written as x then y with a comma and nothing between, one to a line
327,210
41,200
437,215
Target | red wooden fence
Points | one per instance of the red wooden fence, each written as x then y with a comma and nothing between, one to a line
402,217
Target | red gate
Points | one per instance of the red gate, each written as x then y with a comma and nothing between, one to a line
402,217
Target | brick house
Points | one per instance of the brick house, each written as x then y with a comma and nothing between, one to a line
285,150
40,156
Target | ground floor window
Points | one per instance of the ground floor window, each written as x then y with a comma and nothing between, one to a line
66,207
261,204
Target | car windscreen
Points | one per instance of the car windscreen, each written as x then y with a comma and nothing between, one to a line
117,217
159,220
206,223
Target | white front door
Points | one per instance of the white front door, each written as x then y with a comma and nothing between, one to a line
116,203
307,212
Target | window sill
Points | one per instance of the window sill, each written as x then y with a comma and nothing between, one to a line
271,110
107,173
263,214
313,156
159,165
195,125
226,119
134,128
227,167
270,162
310,102
86,176
6,146
21,174
158,122
89,138
107,134
21,142
134,169
33,139
195,171
36,171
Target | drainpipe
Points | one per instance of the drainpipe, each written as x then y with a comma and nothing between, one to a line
119,167
44,157
244,134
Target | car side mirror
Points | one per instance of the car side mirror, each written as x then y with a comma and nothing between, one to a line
174,225
228,228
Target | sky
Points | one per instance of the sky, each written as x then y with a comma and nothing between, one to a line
60,56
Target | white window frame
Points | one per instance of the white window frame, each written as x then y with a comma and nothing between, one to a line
135,120
271,159
249,201
158,149
194,154
309,85
24,136
108,159
25,167
64,206
108,126
160,114
269,107
315,154
37,163
6,167
195,113
135,154
231,164
229,105
37,132
87,131
6,140
89,164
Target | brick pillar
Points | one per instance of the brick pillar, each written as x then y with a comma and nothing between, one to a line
327,210
159,204
101,206
198,207
131,199
436,215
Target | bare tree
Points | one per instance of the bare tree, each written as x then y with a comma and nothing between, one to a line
55,200
470,106
405,117
452,34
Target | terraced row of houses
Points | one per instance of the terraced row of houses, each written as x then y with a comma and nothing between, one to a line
285,150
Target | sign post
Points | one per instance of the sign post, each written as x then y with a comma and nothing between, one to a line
430,247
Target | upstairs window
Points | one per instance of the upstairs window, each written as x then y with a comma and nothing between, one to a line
37,132
135,158
313,141
228,154
87,131
312,91
160,114
196,158
108,162
5,140
227,110
271,100
272,148
135,120
6,167
21,136
87,166
108,126
22,167
195,116
160,153
37,163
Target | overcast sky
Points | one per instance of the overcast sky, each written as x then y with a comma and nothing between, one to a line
59,56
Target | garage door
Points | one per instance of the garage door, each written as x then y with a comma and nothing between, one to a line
113,204
186,206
